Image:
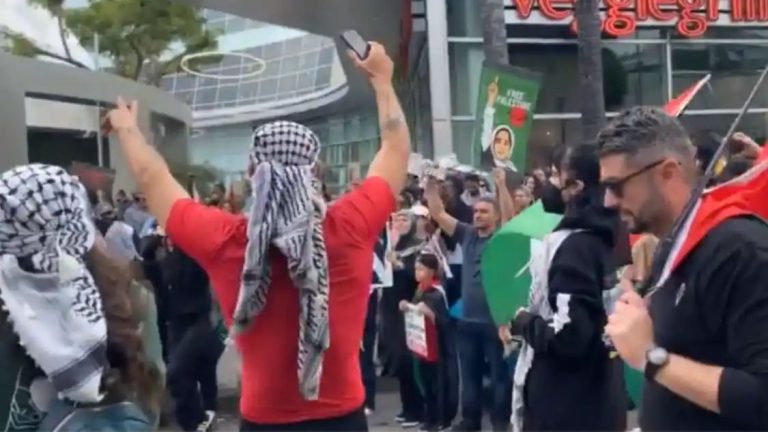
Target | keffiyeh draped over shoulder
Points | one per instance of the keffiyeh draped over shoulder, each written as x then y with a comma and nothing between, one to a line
287,212
53,302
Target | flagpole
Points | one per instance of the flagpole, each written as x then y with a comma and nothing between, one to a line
665,246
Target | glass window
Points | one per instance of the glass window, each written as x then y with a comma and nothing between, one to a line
464,18
268,87
734,70
205,96
255,51
287,84
227,93
273,51
336,132
206,82
309,60
249,90
184,82
271,69
633,74
311,42
326,56
231,60
293,46
323,76
185,96
290,65
306,80
732,32
167,82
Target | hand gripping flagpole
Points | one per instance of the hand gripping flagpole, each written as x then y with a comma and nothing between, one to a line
664,249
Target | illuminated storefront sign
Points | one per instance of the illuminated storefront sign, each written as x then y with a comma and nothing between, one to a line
621,17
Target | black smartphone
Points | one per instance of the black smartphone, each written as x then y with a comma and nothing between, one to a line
356,43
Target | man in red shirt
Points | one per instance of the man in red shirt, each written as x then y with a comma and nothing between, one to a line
293,277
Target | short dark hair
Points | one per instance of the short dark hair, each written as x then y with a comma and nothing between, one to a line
472,177
645,129
489,200
429,261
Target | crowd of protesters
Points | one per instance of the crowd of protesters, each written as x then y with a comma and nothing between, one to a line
107,307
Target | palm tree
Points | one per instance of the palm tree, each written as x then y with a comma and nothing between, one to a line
494,31
56,8
590,68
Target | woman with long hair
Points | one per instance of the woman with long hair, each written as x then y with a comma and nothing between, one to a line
68,302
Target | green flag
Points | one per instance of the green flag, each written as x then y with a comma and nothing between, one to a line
504,114
504,265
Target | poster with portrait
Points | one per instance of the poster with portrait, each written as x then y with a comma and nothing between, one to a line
506,102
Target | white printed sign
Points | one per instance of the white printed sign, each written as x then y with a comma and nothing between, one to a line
416,331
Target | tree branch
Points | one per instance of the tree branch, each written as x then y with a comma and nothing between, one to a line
139,58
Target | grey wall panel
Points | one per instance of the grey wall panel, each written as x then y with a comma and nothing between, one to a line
22,76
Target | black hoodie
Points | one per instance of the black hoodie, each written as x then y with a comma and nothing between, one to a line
573,384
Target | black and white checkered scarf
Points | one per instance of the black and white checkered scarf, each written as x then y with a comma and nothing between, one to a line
287,213
53,302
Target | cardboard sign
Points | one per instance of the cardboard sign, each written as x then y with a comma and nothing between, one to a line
416,332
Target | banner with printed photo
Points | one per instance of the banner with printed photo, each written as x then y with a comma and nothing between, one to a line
506,102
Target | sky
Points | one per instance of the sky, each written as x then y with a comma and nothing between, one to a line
40,26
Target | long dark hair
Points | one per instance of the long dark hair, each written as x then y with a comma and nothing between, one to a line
582,163
129,377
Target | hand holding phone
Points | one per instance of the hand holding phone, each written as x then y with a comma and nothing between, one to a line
356,43
371,58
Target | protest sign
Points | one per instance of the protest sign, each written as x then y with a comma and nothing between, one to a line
416,332
505,105
504,265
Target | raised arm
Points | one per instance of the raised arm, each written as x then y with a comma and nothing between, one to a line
391,161
503,195
446,222
151,173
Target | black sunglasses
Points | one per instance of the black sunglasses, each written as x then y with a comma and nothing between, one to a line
616,186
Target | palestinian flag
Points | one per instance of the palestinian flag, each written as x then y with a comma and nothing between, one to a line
382,268
744,195
676,106
506,258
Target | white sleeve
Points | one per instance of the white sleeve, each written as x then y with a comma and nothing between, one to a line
485,138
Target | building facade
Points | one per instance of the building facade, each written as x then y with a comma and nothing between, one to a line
654,53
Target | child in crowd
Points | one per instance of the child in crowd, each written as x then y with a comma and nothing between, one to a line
437,373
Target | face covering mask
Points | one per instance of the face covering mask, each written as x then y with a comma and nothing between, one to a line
552,199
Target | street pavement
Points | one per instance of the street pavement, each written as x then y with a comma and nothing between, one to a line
381,420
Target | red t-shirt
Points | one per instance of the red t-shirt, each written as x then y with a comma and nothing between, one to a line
269,383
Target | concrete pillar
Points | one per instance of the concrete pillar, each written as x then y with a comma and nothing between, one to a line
13,123
439,77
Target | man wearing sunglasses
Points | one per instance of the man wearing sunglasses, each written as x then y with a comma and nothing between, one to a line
701,337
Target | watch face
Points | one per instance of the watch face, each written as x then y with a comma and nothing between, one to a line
657,356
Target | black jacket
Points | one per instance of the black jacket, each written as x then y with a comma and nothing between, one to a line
188,286
573,384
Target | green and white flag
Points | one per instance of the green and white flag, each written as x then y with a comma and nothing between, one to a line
505,260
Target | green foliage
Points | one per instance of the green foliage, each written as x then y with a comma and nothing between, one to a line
140,35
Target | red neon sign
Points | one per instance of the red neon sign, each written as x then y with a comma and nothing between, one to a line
692,17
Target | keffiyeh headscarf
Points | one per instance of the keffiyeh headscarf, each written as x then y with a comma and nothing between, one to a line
53,302
287,212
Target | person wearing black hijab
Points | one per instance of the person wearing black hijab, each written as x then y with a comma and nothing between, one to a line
565,369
